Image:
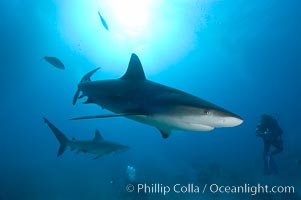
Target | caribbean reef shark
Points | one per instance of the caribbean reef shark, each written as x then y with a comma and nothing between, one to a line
142,100
97,145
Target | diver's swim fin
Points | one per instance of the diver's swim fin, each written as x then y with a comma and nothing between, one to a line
266,166
273,166
270,166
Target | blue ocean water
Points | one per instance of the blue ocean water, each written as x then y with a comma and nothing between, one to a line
242,55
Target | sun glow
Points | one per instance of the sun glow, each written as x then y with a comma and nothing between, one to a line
131,22
158,31
131,14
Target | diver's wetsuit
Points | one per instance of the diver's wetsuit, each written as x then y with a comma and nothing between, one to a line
277,143
269,130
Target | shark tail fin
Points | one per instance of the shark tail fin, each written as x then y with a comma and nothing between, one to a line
61,150
63,140
86,78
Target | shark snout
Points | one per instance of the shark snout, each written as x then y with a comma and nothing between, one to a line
232,121
229,119
217,118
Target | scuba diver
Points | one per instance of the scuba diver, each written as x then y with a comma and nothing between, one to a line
270,132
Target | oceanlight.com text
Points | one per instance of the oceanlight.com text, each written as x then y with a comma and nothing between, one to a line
190,188
251,189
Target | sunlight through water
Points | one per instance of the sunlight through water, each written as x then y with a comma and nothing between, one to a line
159,32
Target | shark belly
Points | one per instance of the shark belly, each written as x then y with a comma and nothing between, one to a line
172,122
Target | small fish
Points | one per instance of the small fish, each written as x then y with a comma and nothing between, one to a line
54,62
103,21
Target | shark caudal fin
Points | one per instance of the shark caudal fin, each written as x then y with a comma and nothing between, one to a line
63,140
86,78
135,69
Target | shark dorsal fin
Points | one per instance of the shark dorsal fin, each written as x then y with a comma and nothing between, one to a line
135,69
97,136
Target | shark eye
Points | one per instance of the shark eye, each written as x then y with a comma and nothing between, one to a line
206,112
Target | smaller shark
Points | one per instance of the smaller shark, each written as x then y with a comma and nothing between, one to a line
97,145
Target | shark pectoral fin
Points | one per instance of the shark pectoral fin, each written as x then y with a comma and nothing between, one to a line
165,132
106,116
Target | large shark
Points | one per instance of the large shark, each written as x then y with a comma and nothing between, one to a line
97,145
151,103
